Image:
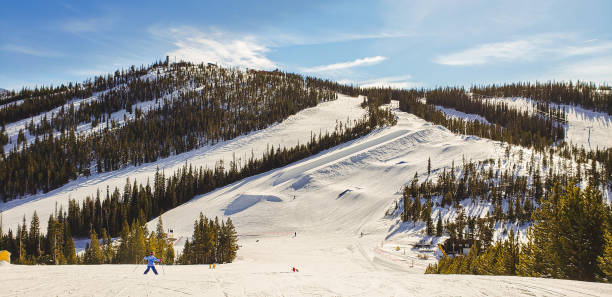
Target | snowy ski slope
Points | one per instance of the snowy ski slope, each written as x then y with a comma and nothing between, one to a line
296,128
337,202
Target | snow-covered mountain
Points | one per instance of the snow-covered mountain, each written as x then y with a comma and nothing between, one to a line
330,215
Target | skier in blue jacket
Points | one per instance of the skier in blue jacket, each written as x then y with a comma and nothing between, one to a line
151,262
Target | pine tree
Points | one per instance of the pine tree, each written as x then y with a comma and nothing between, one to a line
23,233
582,232
439,227
160,227
34,236
545,247
416,209
169,256
511,253
108,249
124,250
232,246
94,254
139,242
568,235
429,226
69,252
605,260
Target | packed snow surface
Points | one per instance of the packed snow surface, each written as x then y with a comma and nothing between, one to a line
329,272
332,216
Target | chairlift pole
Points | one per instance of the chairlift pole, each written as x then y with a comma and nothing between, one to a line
589,139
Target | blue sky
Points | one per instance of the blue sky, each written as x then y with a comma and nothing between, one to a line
396,43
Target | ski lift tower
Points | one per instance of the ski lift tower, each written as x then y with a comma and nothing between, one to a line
589,139
171,238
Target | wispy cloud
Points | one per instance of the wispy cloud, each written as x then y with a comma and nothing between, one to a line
345,65
21,49
396,82
596,70
87,25
587,49
524,50
491,52
216,47
278,38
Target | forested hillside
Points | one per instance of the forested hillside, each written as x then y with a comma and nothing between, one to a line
585,94
200,105
111,215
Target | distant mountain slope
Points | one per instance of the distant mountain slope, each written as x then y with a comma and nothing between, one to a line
139,117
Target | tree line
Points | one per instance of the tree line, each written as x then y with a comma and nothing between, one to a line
520,128
45,98
501,114
211,242
30,246
585,94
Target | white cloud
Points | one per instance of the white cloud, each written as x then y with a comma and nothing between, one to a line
215,46
587,50
491,52
345,65
524,50
597,70
396,82
29,51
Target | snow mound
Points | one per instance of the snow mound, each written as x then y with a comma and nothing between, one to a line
301,183
245,201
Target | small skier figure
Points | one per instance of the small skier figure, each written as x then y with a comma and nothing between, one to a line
295,234
151,260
